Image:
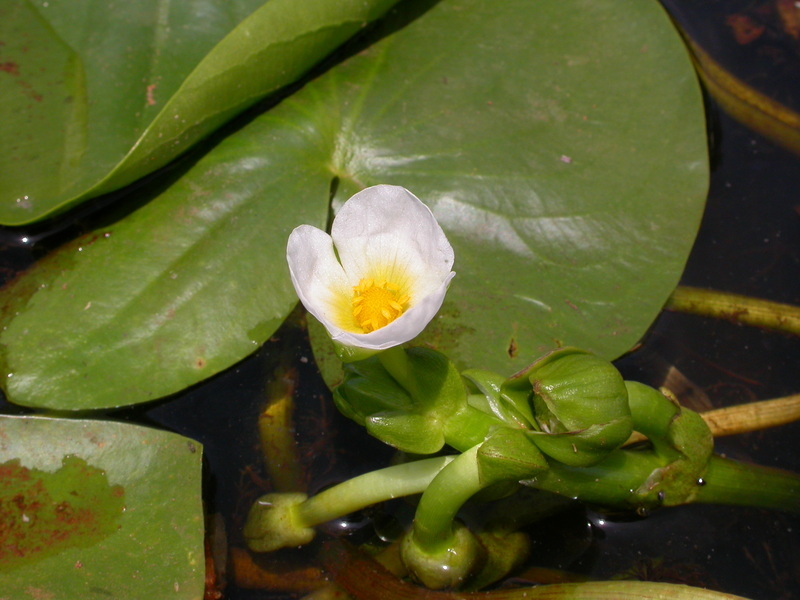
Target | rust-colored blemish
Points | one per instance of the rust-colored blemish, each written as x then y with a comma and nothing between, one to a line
43,513
151,100
9,67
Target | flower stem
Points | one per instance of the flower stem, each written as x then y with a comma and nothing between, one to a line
396,362
370,488
736,308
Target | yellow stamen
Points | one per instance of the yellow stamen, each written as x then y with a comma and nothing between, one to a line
375,305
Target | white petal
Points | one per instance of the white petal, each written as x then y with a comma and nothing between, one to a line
408,326
318,278
387,227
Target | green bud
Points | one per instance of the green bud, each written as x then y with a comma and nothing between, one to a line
448,565
579,403
414,400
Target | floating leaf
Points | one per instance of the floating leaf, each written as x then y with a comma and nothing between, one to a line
89,507
102,95
569,173
43,513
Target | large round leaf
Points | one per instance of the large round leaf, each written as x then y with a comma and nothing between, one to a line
568,171
98,94
97,509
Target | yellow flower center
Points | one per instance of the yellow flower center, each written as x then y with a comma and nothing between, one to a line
376,304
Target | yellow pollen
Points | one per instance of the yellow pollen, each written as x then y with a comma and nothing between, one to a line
376,304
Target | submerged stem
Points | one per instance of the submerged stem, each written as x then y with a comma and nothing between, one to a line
743,418
745,104
736,308
753,415
276,431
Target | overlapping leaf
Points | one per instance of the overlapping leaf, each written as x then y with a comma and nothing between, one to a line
96,95
561,147
100,510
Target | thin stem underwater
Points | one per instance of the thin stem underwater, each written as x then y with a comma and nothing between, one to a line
736,308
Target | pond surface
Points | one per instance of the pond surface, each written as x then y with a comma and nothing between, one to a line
749,243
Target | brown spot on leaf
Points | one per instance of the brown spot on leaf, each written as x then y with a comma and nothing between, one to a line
512,348
43,513
151,100
9,67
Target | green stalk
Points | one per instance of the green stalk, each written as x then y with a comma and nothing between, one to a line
439,551
370,488
731,482
615,481
395,361
283,520
447,493
736,308
463,426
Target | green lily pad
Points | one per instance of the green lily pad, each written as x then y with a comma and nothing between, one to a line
98,95
569,173
97,509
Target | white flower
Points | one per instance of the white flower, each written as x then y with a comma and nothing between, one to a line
388,274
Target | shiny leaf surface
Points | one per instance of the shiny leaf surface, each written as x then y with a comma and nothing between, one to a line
568,172
112,91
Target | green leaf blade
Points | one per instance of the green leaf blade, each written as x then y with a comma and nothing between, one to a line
154,81
567,230
160,531
168,296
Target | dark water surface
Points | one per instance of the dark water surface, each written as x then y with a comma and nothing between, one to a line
749,243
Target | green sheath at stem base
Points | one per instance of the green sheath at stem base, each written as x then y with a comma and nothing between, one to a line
618,481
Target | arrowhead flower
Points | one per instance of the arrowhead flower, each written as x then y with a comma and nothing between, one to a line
381,275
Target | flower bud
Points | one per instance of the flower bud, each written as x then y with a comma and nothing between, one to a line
579,402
